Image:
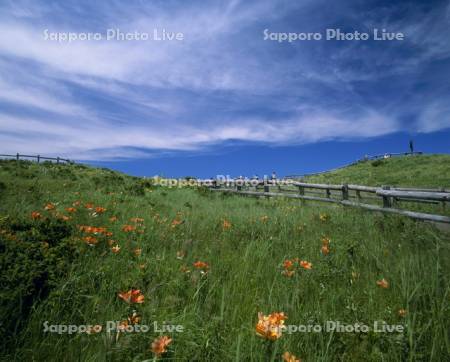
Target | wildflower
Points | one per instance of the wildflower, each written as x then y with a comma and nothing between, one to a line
305,264
137,251
49,206
71,209
90,240
185,269
176,222
325,250
289,357
100,210
288,264
134,318
76,203
137,220
113,218
181,254
264,218
89,206
142,266
94,329
36,215
270,327
64,217
123,325
160,344
226,224
115,249
132,296
128,228
326,241
201,265
288,273
402,312
383,283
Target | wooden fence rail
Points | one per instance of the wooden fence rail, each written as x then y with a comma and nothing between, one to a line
342,194
38,158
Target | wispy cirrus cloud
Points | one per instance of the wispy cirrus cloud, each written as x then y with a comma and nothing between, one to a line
101,99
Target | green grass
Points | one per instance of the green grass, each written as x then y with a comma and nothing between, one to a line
219,310
410,171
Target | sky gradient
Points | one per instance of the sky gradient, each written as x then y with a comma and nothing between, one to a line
223,100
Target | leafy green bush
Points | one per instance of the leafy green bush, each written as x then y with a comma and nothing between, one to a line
377,163
34,256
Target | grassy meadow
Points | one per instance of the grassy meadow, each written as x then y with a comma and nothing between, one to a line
410,171
72,238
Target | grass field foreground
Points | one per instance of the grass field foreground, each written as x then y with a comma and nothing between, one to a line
81,245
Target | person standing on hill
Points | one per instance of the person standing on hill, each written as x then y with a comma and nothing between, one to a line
411,146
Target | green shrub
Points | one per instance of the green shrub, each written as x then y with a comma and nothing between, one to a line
34,256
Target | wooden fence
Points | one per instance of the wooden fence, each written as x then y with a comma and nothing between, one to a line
389,198
37,158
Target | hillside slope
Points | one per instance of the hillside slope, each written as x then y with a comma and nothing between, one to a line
408,171
86,246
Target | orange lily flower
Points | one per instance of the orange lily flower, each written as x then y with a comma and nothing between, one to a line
305,264
115,249
383,283
36,215
289,357
100,210
159,345
71,209
176,222
270,327
113,218
201,265
90,240
89,206
226,224
49,206
325,250
288,264
288,273
132,296
128,228
134,318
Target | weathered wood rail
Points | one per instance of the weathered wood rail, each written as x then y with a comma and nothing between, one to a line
37,158
345,194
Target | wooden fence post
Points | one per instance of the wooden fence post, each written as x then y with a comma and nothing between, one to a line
386,199
301,190
328,193
443,201
345,192
57,159
358,195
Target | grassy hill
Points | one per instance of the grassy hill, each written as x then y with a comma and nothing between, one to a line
415,171
84,246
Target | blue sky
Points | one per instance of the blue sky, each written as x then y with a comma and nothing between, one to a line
223,100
